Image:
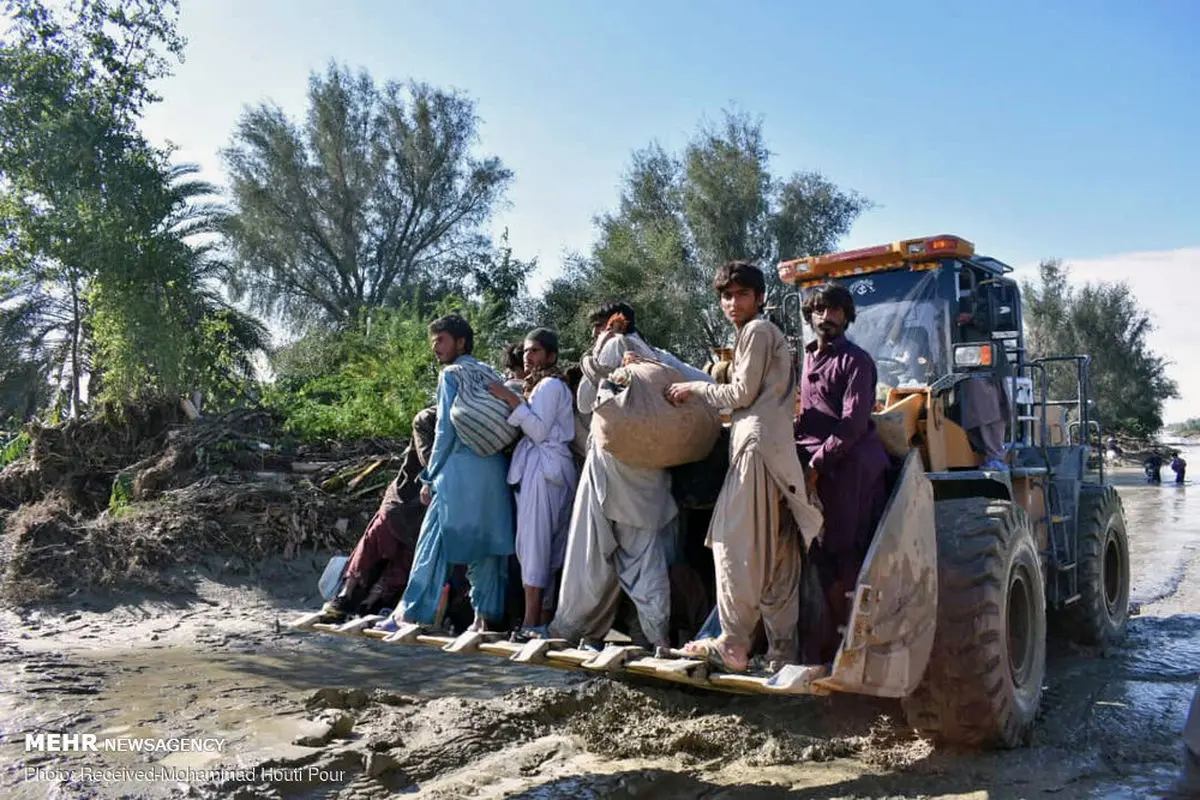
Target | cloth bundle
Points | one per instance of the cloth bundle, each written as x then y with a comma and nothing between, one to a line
480,418
634,421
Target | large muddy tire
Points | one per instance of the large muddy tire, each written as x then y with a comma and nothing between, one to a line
983,685
1102,612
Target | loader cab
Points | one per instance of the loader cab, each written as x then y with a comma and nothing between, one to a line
916,302
932,314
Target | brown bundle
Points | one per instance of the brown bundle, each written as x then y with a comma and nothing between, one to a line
640,427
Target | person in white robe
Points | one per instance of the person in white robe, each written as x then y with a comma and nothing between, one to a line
542,472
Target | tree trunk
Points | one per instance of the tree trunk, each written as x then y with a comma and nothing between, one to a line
76,343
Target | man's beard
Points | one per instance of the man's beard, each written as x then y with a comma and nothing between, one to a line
830,330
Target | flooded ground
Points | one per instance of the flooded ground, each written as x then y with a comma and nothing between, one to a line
274,713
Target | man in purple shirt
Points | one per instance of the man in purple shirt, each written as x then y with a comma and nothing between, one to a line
837,440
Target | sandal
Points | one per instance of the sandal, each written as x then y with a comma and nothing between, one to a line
525,634
712,652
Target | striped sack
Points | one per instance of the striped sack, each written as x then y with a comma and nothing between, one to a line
479,418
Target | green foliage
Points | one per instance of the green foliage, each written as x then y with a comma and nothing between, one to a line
103,280
372,378
14,448
369,380
681,216
120,498
360,205
1129,382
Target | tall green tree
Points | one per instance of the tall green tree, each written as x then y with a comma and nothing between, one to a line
84,194
680,216
107,254
1129,381
359,204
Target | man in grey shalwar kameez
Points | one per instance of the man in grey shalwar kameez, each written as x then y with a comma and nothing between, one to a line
762,517
616,539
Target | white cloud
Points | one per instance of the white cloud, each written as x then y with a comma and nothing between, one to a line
1162,282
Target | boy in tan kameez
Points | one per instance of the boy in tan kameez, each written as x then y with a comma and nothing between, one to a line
753,534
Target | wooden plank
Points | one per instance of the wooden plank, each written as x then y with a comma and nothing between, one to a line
306,621
613,657
750,684
535,651
659,666
435,640
469,641
571,655
613,660
359,624
405,634
360,477
687,672
501,648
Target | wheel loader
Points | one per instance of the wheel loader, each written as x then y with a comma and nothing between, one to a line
968,566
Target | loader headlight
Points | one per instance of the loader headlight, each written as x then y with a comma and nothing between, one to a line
974,356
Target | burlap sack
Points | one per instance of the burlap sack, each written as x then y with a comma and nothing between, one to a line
640,427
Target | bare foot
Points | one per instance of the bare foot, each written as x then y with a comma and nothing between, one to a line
719,654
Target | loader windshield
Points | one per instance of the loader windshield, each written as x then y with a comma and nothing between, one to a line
903,321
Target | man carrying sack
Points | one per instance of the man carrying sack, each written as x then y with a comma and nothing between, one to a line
616,534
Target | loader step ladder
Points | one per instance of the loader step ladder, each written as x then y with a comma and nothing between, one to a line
1062,558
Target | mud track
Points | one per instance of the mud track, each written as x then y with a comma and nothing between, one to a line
306,715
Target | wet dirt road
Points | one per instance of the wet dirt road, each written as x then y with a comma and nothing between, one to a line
276,713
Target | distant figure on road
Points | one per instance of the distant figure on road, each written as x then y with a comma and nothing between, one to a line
1179,466
1153,466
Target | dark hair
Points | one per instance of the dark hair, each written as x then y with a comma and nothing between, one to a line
574,375
832,295
547,338
740,273
601,314
512,357
457,327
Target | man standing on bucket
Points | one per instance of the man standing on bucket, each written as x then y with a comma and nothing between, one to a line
470,516
616,533
844,453
762,515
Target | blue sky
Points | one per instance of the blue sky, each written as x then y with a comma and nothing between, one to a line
1034,132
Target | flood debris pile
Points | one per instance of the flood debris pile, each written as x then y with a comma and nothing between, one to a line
120,499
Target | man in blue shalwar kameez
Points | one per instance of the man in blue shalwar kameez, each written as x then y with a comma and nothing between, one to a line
470,516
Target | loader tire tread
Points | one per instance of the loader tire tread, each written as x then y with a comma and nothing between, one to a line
989,578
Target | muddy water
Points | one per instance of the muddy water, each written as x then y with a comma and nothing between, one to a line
300,715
